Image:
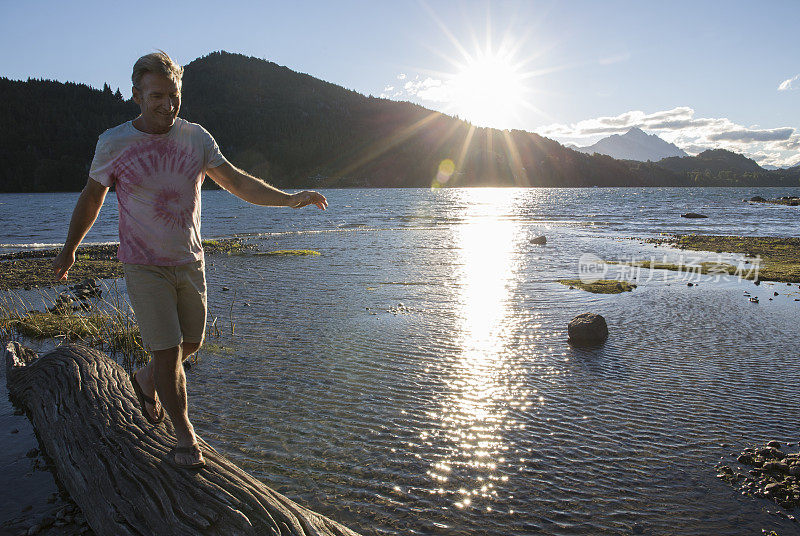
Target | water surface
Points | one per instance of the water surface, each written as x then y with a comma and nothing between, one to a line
464,410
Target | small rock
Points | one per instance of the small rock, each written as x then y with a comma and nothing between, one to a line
225,289
693,215
775,294
778,467
756,282
15,431
689,284
540,240
774,444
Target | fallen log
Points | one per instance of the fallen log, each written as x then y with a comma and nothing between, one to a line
114,463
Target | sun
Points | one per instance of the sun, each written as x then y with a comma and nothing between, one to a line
489,90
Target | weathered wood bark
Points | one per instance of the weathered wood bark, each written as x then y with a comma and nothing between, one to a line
114,463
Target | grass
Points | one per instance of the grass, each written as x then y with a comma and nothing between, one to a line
29,269
110,327
602,286
289,252
780,257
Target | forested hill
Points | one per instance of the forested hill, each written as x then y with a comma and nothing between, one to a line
290,127
295,130
49,131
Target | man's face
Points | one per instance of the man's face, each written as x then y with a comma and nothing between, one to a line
159,99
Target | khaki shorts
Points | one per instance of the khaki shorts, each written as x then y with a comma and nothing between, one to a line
169,303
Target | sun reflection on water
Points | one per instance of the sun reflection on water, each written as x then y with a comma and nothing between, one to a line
475,413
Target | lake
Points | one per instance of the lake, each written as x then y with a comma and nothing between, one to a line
415,378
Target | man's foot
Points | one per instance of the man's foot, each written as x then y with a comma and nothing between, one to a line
187,457
146,393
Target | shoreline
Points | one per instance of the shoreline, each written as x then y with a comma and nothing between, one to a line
779,258
31,268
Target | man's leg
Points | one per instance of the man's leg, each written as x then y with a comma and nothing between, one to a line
170,383
147,380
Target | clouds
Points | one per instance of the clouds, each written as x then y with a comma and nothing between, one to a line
428,89
773,134
788,83
768,146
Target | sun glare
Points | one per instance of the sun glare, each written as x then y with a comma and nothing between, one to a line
489,91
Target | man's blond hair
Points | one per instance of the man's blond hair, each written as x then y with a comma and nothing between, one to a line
159,63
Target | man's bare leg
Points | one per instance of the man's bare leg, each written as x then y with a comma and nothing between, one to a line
170,383
147,380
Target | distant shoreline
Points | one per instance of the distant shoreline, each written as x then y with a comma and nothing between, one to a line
470,186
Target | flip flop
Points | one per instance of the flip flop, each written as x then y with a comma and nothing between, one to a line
144,398
192,449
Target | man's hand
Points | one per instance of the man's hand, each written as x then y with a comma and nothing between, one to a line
62,263
305,198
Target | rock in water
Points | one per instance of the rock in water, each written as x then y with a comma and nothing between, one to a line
588,328
541,240
693,215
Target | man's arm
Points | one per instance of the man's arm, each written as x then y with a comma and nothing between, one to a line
86,210
254,190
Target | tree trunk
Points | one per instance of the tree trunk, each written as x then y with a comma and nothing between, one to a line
114,463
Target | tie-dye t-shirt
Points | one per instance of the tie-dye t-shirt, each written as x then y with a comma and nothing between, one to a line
157,178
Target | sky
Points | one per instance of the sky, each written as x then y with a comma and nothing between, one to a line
700,74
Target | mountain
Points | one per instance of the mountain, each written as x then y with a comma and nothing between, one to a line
634,145
295,130
713,160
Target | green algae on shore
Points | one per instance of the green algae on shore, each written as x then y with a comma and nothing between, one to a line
779,257
709,267
602,286
33,268
289,252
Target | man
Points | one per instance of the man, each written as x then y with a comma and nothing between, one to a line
157,163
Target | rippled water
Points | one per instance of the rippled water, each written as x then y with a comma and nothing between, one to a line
465,411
